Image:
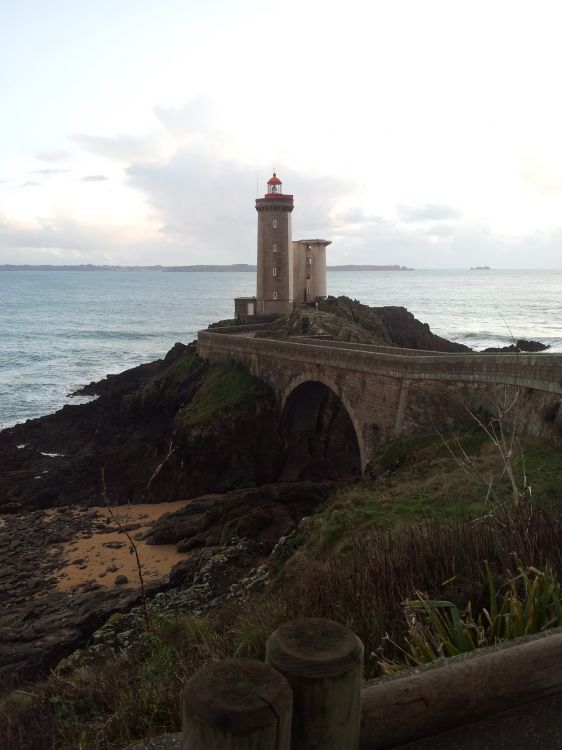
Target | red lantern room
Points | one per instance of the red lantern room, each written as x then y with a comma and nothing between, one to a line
274,185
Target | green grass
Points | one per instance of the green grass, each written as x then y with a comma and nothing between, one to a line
183,368
169,384
420,479
543,466
224,387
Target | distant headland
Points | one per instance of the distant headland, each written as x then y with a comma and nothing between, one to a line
232,268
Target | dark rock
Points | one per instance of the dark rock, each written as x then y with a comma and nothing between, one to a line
531,346
121,580
521,345
114,545
182,573
349,320
194,542
263,514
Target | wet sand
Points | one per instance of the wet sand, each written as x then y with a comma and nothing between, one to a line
104,555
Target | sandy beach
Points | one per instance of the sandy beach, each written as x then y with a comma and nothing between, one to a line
101,555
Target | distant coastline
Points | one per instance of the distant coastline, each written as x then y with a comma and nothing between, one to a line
232,268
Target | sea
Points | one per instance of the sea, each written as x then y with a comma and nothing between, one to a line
62,329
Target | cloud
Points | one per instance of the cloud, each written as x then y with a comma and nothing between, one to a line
429,212
207,203
356,216
202,210
50,172
62,237
468,243
196,116
201,202
52,155
540,178
29,183
121,147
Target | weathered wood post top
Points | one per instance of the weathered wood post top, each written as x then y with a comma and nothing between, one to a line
323,662
239,704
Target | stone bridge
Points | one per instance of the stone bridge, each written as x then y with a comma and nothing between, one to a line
388,391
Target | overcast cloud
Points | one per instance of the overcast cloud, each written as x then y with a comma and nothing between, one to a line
424,134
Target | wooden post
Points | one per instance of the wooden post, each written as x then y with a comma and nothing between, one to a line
323,662
237,704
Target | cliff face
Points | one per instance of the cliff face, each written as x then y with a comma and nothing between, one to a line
174,428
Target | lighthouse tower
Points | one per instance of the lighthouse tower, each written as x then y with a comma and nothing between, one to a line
289,273
275,250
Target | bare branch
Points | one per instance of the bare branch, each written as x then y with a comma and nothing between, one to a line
133,548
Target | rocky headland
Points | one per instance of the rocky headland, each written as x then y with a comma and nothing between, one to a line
177,430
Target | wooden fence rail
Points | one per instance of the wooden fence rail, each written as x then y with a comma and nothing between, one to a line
308,696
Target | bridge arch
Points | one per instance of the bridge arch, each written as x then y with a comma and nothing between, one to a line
315,379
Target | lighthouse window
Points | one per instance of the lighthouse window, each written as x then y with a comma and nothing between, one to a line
309,261
274,295
274,247
275,272
307,290
275,223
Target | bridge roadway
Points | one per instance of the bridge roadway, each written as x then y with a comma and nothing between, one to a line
379,384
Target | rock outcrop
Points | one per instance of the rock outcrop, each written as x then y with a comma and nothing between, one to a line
521,345
41,624
171,429
264,514
348,320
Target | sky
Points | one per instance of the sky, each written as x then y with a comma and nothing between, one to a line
425,133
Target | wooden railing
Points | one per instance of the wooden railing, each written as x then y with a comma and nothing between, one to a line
308,695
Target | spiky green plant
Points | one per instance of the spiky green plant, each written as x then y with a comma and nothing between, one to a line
528,602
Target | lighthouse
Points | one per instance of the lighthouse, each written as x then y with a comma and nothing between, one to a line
289,273
275,250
